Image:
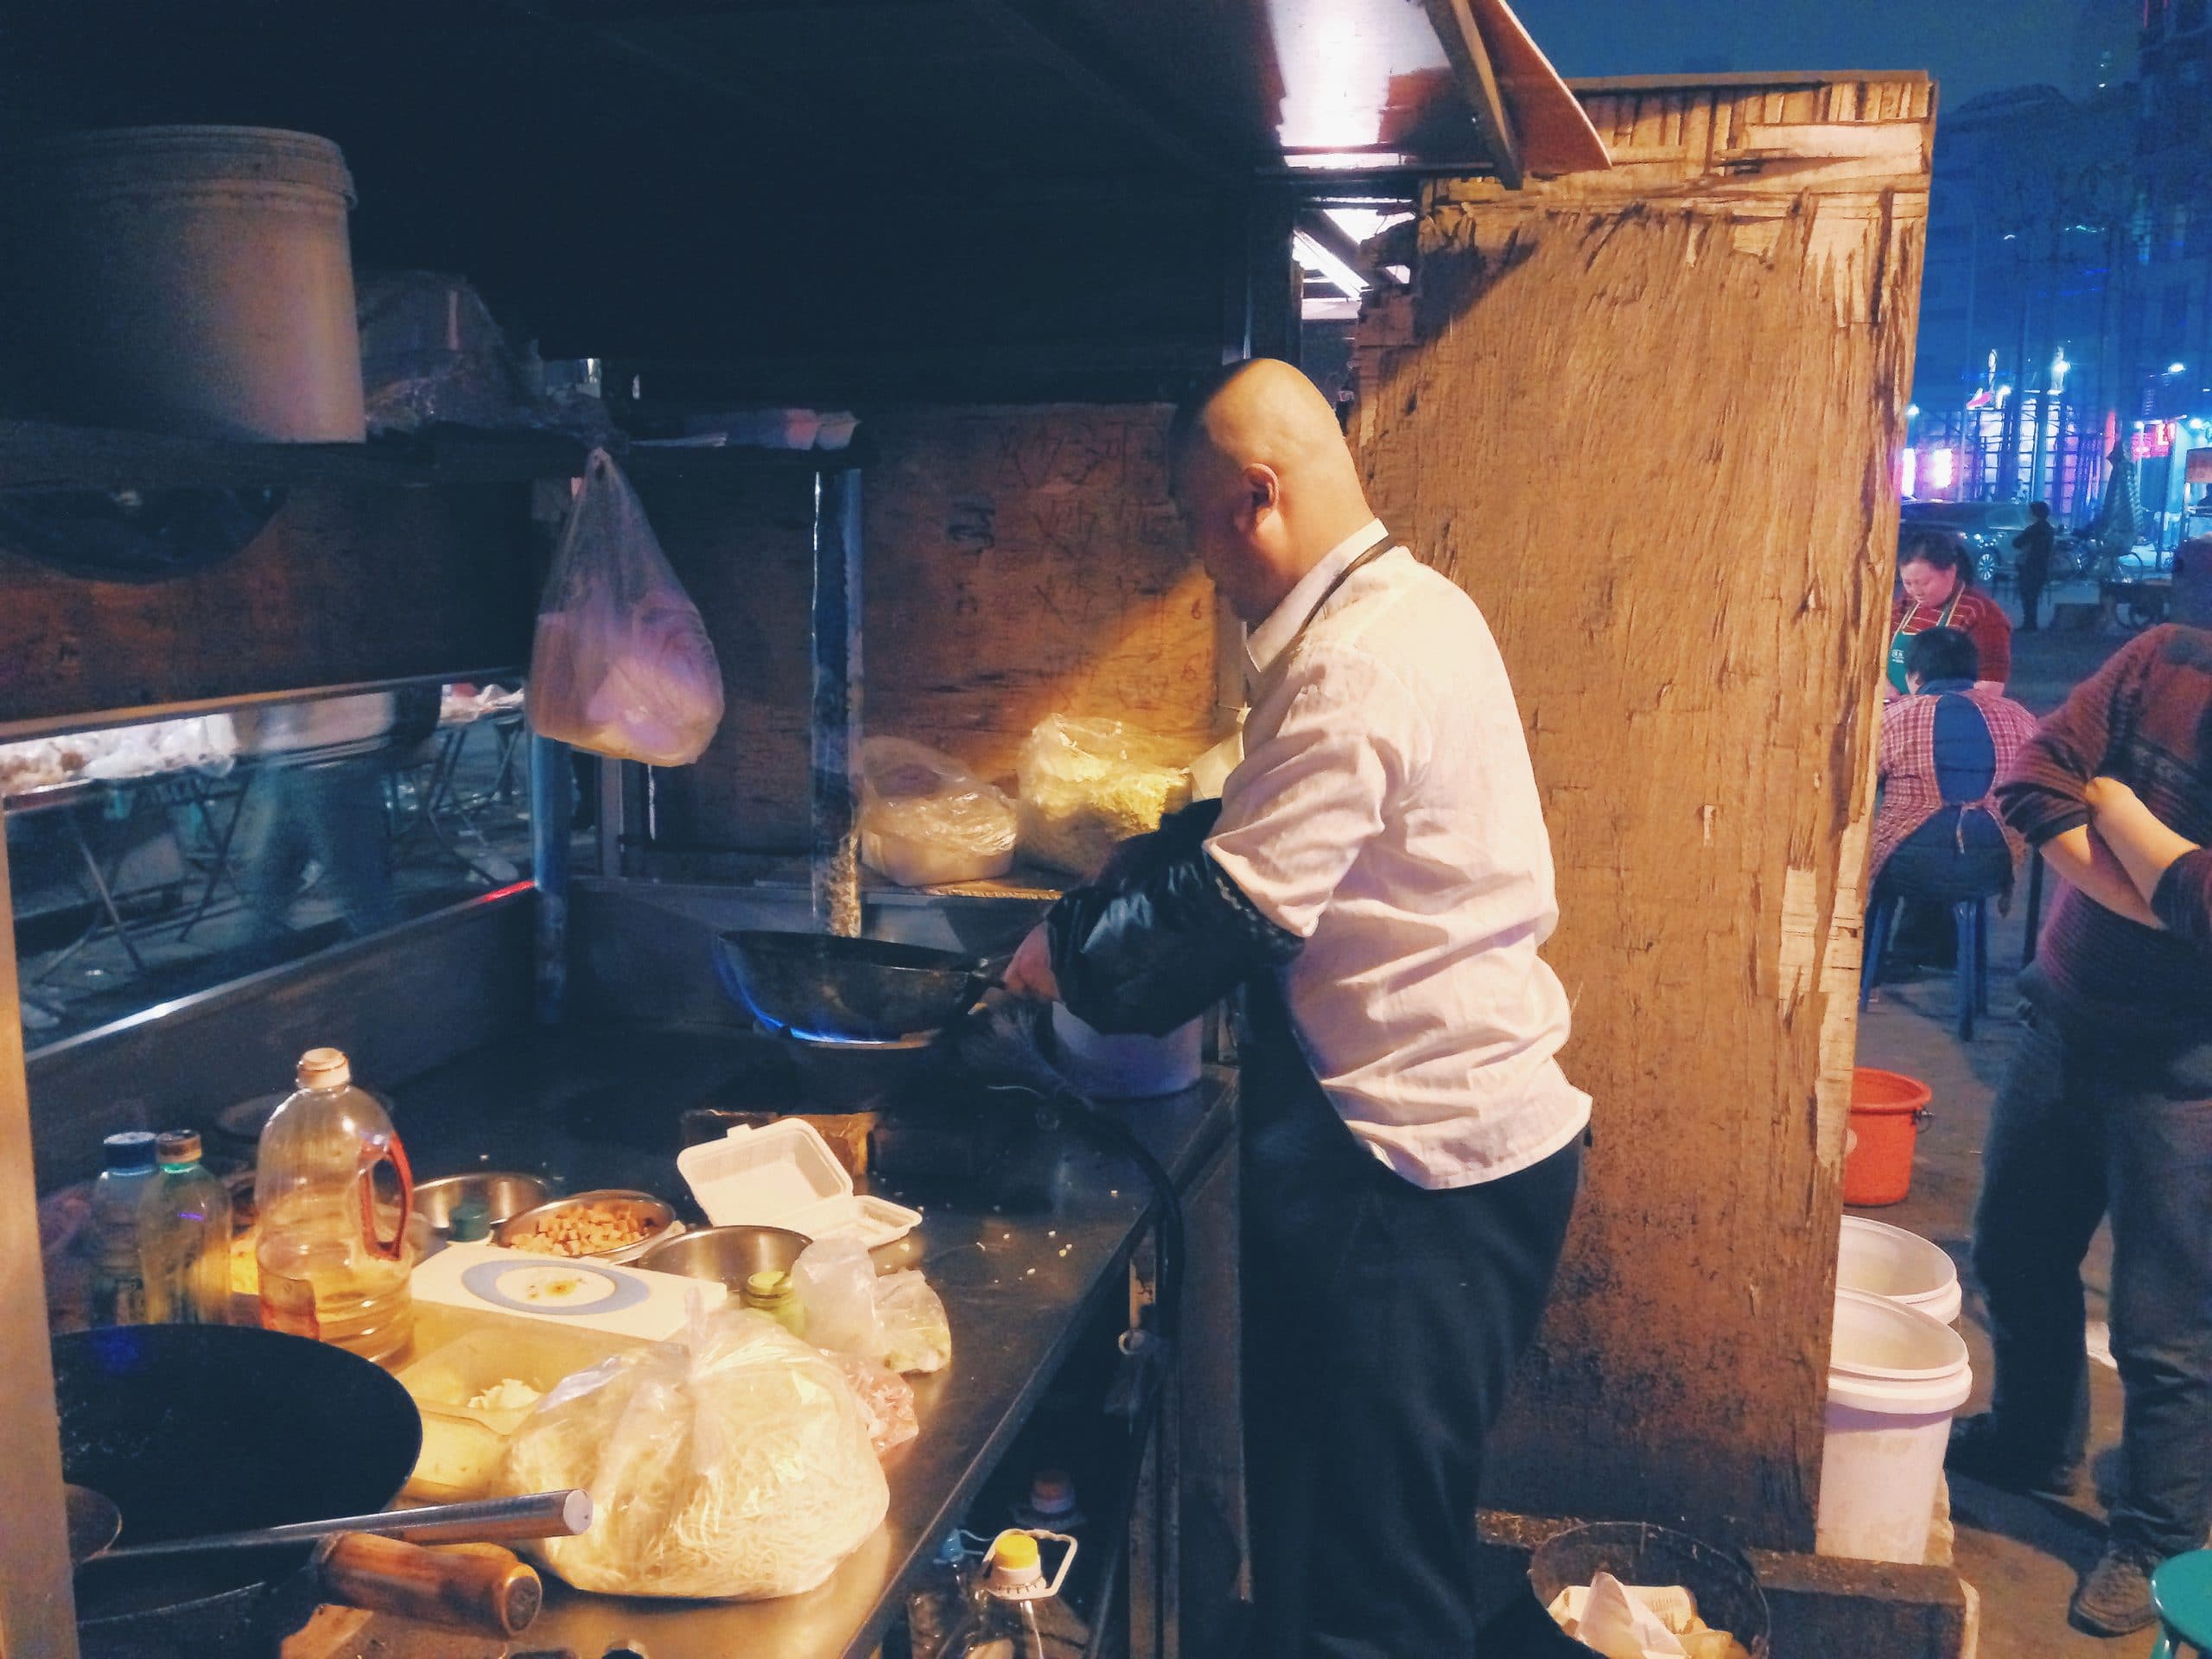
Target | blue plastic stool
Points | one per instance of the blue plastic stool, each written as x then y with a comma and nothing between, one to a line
2181,1592
1971,918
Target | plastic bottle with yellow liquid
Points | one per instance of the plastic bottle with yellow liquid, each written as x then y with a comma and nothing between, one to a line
333,1251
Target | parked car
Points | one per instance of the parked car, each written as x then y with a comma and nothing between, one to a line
1987,528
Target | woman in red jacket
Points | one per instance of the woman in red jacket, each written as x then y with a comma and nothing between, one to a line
1937,590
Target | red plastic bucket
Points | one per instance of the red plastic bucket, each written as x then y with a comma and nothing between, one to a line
1887,1108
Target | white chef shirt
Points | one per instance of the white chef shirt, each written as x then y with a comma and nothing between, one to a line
1386,813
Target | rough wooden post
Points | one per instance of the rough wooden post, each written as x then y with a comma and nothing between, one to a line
37,1614
1649,419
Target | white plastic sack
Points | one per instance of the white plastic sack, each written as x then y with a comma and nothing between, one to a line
621,665
925,820
1088,784
740,1467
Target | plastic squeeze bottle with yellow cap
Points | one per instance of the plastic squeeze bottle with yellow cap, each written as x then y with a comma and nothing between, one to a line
333,1249
1001,1618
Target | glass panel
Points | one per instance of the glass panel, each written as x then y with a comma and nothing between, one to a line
157,861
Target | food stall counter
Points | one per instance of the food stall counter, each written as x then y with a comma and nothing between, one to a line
1023,1254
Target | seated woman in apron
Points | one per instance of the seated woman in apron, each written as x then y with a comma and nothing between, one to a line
1377,876
1936,589
1937,833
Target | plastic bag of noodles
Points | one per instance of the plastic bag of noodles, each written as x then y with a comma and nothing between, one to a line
739,1467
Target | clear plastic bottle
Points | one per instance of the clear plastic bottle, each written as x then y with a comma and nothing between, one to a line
938,1599
185,1238
118,1196
1001,1622
335,1258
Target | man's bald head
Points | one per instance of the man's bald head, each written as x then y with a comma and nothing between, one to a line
1263,479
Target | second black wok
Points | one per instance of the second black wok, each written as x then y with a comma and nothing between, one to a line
824,988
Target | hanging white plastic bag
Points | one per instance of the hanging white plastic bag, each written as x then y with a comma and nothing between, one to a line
621,665
925,820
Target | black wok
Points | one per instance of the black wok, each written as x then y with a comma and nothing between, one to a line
191,1429
827,988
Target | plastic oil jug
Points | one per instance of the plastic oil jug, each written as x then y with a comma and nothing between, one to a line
332,1252
1001,1622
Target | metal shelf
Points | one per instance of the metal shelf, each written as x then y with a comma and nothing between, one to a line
41,456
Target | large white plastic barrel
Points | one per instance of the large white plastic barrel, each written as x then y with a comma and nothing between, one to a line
1895,1378
1886,1260
193,280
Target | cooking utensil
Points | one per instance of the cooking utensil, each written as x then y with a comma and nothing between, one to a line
726,1256
503,1194
654,1214
540,1514
477,1587
199,1428
828,987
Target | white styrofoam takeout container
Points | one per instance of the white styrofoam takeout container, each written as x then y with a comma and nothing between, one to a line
782,1174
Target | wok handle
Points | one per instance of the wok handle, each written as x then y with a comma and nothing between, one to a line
498,1520
480,1588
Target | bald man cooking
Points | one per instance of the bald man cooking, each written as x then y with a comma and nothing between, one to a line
1377,877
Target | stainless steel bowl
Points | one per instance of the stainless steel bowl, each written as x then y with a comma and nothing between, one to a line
729,1255
502,1193
656,1213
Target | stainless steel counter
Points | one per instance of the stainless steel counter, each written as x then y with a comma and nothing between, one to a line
1022,1256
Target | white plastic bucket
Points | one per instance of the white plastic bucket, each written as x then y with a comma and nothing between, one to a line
1128,1068
1895,1377
1886,1260
194,280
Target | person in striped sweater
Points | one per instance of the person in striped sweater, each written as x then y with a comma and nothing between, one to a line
2107,1111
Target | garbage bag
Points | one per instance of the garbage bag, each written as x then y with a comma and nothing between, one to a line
738,1467
925,820
1088,784
621,665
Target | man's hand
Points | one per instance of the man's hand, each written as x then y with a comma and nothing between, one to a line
1030,973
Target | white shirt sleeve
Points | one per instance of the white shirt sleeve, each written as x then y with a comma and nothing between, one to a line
1308,796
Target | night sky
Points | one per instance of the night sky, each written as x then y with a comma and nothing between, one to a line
1971,46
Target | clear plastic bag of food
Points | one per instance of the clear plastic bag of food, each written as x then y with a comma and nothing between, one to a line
916,1332
925,820
621,665
1088,784
887,1397
835,1282
740,1467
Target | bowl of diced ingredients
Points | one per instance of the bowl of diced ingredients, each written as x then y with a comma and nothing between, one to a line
614,1224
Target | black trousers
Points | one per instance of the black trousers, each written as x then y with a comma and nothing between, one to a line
2086,1126
1382,1325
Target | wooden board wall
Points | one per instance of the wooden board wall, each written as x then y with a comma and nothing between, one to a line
1017,560
1023,561
743,550
1648,418
345,584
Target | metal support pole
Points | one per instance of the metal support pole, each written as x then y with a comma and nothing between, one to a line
836,712
551,813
